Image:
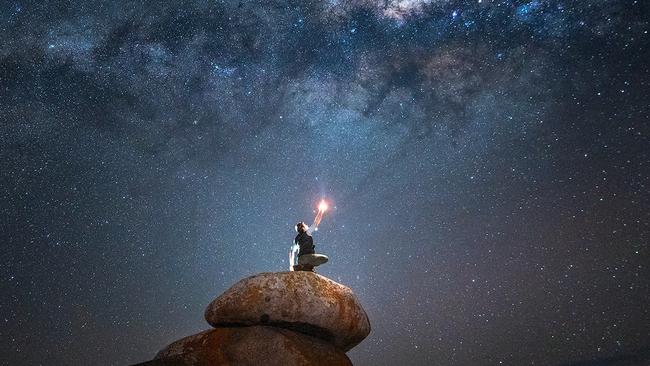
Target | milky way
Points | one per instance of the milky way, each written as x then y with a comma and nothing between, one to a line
486,162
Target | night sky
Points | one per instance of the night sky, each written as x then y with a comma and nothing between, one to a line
487,164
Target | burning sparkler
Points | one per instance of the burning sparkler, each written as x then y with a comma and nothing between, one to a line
322,207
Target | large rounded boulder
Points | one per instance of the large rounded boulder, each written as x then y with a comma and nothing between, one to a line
250,346
301,301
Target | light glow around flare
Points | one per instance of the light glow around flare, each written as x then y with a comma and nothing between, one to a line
322,207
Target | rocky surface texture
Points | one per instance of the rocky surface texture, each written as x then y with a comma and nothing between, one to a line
302,301
285,318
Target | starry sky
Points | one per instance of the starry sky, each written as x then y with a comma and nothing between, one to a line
487,164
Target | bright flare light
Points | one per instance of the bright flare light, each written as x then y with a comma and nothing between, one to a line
322,207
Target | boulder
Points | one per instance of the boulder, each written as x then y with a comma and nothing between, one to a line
254,346
301,301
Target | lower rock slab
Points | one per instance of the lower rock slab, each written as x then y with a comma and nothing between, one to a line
252,345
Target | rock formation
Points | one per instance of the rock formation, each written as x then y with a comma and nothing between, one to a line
285,318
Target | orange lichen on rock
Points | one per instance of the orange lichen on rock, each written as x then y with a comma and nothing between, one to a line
302,301
255,345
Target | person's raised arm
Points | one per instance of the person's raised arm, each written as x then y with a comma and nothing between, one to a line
292,255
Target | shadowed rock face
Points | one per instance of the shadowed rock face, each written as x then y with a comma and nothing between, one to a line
302,301
254,346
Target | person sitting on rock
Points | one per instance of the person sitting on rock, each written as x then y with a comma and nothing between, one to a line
304,246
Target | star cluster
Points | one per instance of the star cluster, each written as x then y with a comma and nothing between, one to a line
486,163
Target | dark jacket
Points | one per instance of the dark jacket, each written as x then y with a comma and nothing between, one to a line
305,242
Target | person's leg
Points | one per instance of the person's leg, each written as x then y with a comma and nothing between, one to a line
304,264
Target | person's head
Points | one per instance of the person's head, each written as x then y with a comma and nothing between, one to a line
301,227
